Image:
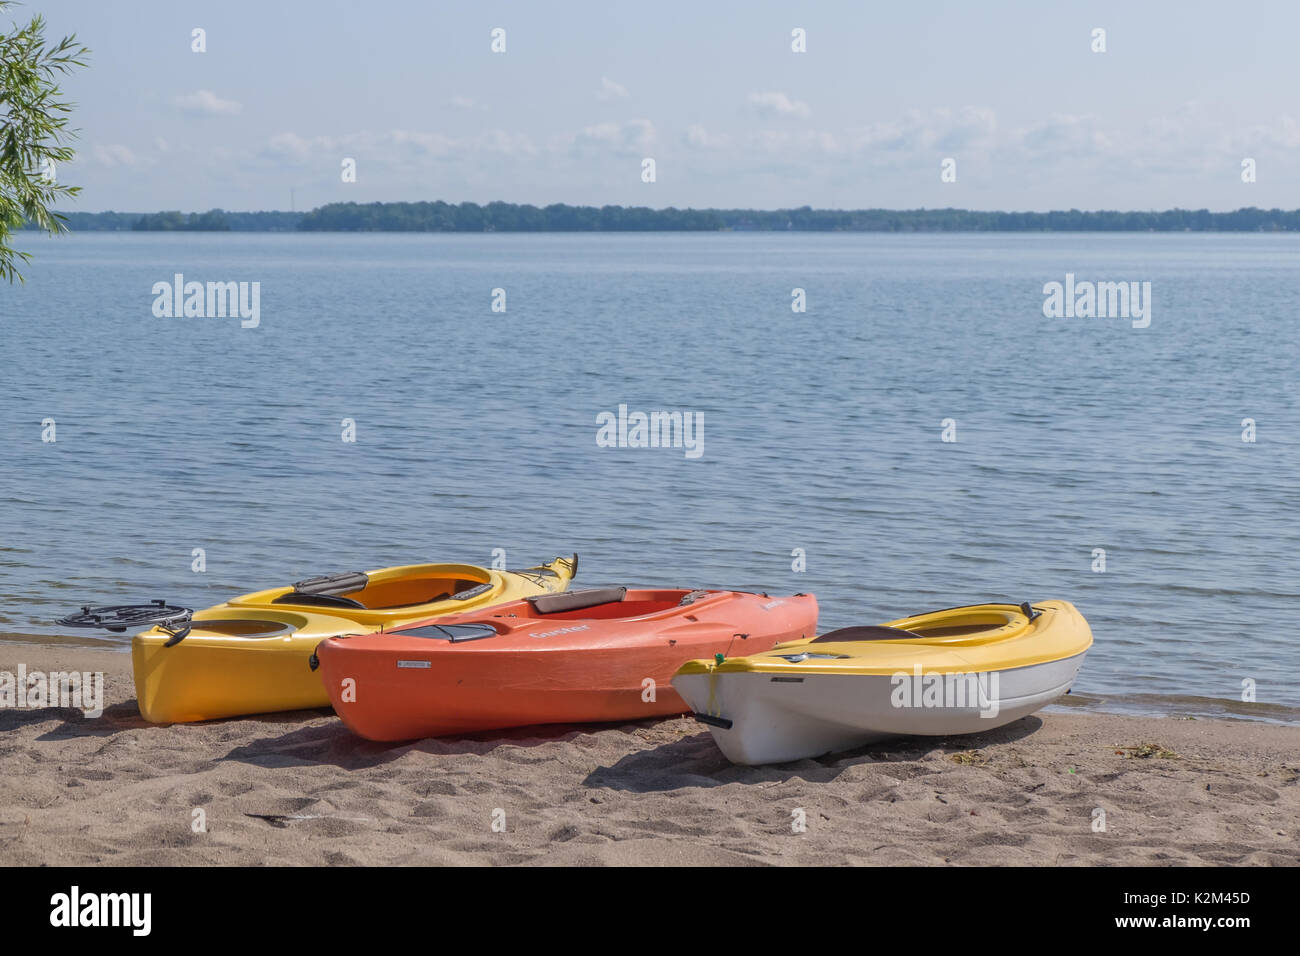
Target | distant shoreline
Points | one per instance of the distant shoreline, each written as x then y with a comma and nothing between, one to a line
510,217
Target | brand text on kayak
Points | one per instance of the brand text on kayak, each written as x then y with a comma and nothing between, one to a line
947,691
657,429
215,300
37,690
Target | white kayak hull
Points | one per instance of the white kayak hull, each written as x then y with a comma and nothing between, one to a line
777,719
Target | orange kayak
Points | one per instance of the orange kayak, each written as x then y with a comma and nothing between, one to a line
605,654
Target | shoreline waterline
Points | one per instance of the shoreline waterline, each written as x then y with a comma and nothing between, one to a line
1130,704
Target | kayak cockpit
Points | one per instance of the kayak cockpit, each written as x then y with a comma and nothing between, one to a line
600,604
977,624
361,591
980,624
409,592
247,628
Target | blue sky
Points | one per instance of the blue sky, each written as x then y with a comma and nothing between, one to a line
711,90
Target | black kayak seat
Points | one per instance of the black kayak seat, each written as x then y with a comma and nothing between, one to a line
455,633
344,583
576,600
307,599
326,590
473,591
870,632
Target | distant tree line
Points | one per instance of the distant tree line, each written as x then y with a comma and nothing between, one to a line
510,217
214,220
505,217
99,221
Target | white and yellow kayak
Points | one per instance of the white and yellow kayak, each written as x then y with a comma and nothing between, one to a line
250,655
957,671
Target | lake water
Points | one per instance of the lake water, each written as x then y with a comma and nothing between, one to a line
822,430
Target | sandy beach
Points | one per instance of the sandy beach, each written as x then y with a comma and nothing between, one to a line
299,789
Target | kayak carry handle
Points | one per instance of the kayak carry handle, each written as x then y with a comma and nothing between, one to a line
721,657
178,634
712,721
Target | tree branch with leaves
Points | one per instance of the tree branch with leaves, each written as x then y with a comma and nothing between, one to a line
34,134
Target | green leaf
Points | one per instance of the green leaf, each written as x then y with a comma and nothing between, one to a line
33,132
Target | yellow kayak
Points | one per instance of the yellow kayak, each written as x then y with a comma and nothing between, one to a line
250,655
958,671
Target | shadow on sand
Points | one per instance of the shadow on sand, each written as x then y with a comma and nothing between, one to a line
335,745
694,761
690,761
73,723
121,717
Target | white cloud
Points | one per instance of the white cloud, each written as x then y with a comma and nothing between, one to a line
969,129
291,146
465,103
778,104
397,147
1193,134
1063,133
633,136
1053,160
501,141
609,90
114,154
697,137
207,103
